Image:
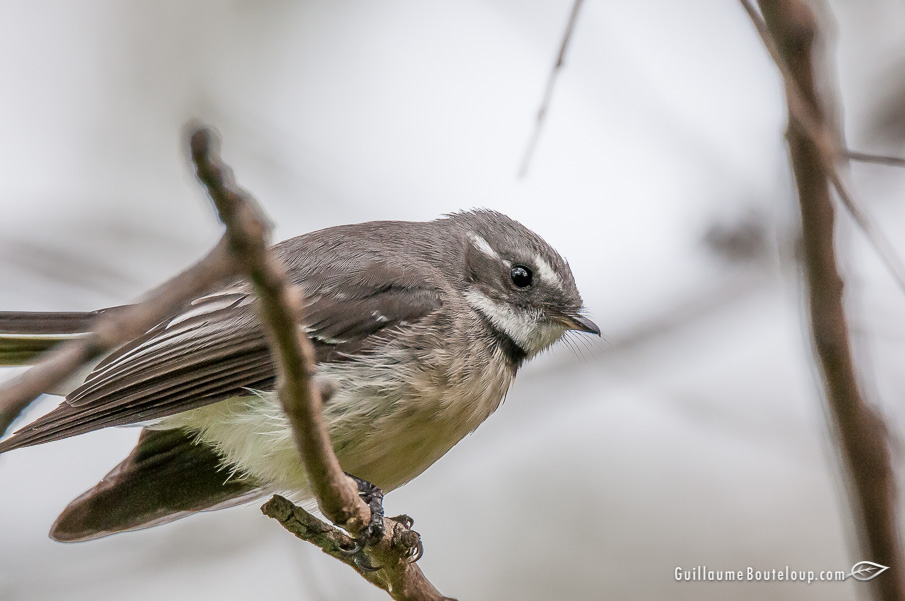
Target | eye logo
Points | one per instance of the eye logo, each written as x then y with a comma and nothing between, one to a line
867,570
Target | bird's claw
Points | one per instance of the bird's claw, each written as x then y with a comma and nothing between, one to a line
355,549
405,520
359,559
415,551
415,548
375,530
373,497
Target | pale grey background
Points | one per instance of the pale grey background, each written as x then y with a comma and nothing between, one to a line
693,435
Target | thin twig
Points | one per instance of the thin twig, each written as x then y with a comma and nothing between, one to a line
881,243
279,305
112,329
548,90
878,159
789,29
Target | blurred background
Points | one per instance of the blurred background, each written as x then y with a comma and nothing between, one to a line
693,434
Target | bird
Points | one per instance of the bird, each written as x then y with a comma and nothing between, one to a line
418,327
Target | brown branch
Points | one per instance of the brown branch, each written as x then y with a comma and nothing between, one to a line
789,29
827,144
279,305
548,90
112,329
400,576
244,249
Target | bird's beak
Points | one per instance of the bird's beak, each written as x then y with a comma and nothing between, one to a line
580,323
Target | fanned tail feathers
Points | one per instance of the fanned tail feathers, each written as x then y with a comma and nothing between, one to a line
168,476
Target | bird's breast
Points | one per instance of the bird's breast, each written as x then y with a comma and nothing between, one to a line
389,419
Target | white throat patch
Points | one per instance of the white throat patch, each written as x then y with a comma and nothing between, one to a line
526,328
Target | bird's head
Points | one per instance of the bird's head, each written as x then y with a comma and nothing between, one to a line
515,280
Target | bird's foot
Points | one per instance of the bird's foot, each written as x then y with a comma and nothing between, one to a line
409,538
373,531
357,553
373,498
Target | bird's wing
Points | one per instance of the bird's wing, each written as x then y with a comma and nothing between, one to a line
215,349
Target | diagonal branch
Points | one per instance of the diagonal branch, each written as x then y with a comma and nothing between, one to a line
789,30
399,576
548,90
111,329
279,305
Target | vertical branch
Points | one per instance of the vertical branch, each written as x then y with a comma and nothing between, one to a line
862,436
828,147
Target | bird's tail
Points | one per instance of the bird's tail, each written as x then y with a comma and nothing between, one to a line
24,336
169,475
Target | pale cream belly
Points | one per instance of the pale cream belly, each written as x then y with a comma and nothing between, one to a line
384,438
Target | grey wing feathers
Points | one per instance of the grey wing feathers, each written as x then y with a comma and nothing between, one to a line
176,366
345,328
215,349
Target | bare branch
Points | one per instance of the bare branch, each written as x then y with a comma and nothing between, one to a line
789,30
244,249
548,90
826,141
399,576
112,329
279,304
878,159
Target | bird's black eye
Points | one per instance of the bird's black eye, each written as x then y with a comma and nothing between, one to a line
521,276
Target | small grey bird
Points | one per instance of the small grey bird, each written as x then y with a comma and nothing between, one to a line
421,327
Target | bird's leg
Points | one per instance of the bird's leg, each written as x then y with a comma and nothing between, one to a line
373,497
375,530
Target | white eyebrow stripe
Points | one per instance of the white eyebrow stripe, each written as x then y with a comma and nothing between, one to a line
482,245
547,273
